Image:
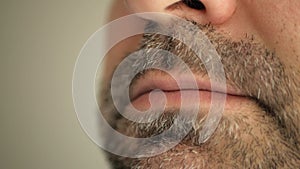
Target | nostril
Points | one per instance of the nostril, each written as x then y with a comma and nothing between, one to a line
195,4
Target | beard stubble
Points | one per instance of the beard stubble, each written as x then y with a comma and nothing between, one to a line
262,133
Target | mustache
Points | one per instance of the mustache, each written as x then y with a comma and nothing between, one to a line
249,66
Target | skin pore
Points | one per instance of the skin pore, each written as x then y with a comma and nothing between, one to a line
259,45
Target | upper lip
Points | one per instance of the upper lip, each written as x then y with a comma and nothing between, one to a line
153,80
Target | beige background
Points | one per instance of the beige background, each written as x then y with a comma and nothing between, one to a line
39,43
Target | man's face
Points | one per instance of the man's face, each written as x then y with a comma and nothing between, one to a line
259,46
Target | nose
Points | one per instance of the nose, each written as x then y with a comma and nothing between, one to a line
203,11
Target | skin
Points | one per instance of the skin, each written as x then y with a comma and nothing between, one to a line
275,27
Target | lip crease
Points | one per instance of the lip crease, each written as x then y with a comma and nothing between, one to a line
152,80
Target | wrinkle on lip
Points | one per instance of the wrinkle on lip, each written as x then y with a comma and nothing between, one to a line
174,99
155,80
195,90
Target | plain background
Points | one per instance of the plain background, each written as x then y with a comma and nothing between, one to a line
39,43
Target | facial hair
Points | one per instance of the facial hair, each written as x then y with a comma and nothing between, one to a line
264,133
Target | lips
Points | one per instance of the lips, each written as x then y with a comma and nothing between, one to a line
173,89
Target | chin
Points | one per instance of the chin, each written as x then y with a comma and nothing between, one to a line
246,138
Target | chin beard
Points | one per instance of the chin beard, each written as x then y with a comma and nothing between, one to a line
245,138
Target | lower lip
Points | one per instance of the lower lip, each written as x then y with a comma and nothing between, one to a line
186,98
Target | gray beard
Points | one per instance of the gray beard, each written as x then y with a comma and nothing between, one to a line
266,137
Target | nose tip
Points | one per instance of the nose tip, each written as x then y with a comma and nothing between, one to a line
212,11
219,11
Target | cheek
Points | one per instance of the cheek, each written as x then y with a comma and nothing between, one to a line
146,5
120,50
277,24
117,54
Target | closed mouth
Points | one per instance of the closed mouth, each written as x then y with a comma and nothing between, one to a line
153,81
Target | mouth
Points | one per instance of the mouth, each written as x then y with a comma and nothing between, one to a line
155,83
